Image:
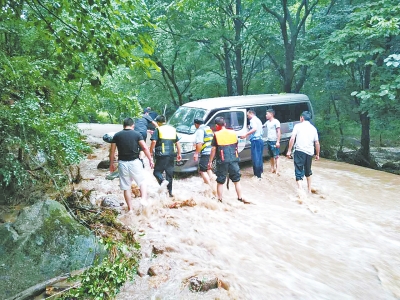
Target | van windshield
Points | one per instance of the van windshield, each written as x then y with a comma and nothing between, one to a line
183,118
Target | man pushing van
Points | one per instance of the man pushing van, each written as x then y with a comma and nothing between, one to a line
225,149
204,137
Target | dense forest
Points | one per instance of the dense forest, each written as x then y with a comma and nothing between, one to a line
70,61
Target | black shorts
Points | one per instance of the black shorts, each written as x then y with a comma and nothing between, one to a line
302,165
203,162
231,168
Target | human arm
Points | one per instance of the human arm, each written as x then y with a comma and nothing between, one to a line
197,151
212,155
147,153
317,150
152,147
199,143
112,155
250,132
179,151
291,142
278,137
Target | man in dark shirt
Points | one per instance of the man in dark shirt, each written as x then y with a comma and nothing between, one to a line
144,123
128,142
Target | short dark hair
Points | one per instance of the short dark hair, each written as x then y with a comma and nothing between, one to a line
146,110
219,121
306,115
198,121
270,110
128,122
251,111
160,119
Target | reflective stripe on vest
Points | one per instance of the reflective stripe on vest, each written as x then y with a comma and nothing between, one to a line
166,140
227,145
208,137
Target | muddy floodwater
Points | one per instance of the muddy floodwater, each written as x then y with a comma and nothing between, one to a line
343,242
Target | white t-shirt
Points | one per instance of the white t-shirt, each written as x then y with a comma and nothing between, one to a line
306,135
255,123
271,127
200,138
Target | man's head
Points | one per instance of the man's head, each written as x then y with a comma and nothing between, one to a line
305,115
128,122
270,114
198,122
160,119
146,110
250,114
219,123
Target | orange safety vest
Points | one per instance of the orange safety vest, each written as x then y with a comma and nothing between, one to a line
227,146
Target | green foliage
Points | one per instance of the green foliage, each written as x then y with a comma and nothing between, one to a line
37,139
103,281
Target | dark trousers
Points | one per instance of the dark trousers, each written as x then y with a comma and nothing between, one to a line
257,147
164,163
302,165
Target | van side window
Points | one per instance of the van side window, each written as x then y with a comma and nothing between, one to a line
289,112
233,119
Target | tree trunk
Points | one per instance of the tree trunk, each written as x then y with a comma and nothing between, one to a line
238,49
228,71
365,137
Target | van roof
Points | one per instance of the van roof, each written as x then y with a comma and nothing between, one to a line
250,100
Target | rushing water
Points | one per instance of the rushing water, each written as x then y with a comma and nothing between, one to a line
343,242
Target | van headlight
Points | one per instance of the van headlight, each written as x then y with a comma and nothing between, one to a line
187,147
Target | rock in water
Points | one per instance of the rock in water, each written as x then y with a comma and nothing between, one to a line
104,164
204,284
43,242
111,201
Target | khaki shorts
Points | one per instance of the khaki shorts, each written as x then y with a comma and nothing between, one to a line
129,171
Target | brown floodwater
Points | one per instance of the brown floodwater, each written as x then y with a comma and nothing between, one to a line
343,242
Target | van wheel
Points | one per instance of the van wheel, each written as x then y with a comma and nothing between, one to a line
285,151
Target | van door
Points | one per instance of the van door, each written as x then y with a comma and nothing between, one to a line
235,119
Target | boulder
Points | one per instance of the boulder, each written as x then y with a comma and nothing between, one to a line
111,201
43,242
203,284
104,164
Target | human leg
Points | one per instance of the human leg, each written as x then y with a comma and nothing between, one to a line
299,161
125,181
271,151
169,172
238,189
128,199
307,171
220,189
159,168
258,158
203,168
222,170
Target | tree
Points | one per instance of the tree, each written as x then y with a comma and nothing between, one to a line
360,48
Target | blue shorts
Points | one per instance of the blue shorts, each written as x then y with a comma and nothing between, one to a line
272,150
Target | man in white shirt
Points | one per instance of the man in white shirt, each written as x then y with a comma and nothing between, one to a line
257,144
273,140
306,137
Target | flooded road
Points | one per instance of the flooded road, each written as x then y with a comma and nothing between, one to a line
343,242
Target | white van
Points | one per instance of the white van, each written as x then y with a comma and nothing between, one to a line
288,108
